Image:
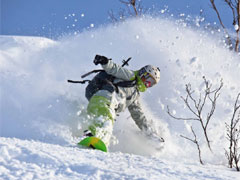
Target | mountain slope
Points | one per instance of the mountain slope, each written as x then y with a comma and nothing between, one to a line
22,159
43,116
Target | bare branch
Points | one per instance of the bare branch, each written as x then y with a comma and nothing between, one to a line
233,136
231,5
133,8
112,17
124,2
195,142
196,106
131,3
221,22
234,6
187,119
238,30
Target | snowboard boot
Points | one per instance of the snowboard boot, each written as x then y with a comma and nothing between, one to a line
87,133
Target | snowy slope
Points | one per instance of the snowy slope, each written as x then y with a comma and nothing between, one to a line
22,159
42,116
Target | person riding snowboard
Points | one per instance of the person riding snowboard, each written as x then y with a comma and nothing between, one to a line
117,95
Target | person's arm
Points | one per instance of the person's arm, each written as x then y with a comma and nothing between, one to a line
138,116
118,71
114,69
145,125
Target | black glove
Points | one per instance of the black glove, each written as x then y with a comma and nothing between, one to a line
100,60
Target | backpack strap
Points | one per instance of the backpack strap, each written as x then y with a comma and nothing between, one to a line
126,83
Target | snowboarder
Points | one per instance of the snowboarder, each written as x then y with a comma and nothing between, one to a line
118,94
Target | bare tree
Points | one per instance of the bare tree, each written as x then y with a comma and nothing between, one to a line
233,136
195,141
234,6
196,106
134,8
131,3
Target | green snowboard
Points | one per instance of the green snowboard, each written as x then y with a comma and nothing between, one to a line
94,143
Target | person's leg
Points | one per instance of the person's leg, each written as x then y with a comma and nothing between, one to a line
102,126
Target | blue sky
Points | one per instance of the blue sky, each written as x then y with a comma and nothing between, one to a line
52,18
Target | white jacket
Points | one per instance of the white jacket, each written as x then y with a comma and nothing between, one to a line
126,97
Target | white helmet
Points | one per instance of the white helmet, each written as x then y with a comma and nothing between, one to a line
150,72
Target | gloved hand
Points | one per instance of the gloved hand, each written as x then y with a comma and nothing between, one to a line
151,134
100,60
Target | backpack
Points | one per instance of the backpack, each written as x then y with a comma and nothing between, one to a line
103,81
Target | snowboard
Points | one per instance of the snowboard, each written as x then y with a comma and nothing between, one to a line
93,143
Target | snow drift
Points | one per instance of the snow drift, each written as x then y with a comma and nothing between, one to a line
38,104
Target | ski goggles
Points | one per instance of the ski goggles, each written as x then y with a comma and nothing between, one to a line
148,80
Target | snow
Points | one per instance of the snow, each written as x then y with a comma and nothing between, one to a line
42,116
38,160
236,27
